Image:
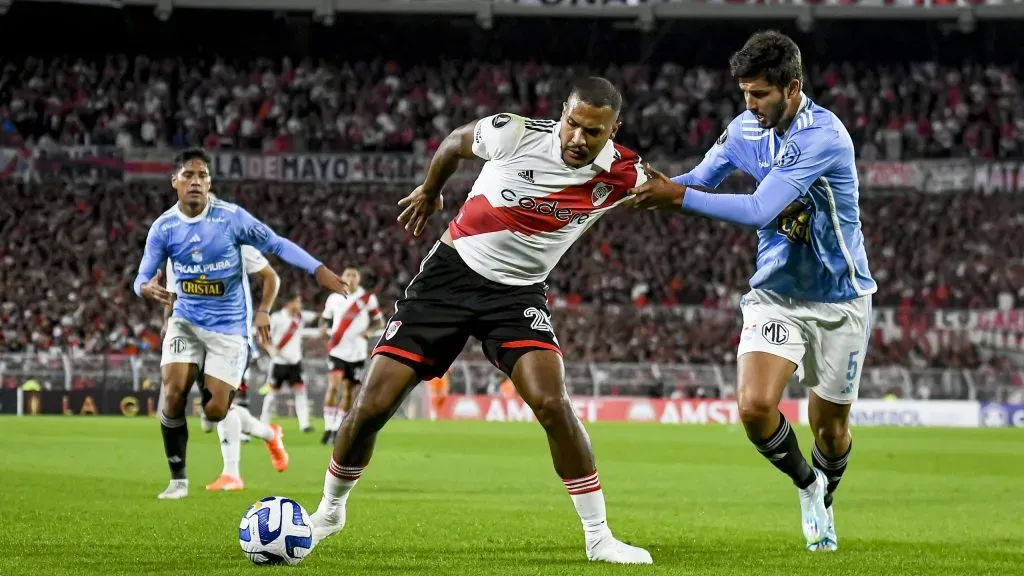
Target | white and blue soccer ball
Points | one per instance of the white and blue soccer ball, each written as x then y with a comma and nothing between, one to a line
276,530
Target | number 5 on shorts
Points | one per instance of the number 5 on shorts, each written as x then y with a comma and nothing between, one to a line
851,367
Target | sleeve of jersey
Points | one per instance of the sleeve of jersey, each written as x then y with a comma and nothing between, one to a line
717,164
249,230
807,155
252,260
496,137
153,257
374,308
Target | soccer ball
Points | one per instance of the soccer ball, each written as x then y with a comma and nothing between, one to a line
276,530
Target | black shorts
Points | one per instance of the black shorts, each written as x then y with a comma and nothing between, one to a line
351,371
447,302
281,373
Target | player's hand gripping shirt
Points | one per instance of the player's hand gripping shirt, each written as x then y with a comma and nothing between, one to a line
527,206
205,252
810,245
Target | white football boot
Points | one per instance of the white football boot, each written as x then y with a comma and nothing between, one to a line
814,515
604,547
328,519
176,490
831,541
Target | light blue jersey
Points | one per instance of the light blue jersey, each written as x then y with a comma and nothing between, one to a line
805,209
205,252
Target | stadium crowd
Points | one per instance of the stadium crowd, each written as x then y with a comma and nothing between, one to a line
71,250
898,111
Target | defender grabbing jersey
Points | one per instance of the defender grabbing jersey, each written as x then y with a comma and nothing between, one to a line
809,307
810,249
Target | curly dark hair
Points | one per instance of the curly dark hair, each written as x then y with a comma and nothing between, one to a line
771,53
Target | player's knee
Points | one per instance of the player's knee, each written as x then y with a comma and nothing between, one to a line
754,410
832,436
216,409
552,410
174,402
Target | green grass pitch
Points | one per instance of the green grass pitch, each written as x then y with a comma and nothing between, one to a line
78,496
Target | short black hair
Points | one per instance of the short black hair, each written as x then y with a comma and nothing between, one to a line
771,53
597,91
189,154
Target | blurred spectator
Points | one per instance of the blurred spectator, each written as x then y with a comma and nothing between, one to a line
898,111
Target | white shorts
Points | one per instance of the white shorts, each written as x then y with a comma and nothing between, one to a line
827,341
222,356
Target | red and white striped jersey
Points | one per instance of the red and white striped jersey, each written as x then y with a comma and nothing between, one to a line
286,336
527,207
351,317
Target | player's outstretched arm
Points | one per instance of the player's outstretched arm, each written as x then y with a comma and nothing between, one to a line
249,230
807,155
426,198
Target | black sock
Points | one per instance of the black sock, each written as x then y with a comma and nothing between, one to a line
175,433
833,469
783,451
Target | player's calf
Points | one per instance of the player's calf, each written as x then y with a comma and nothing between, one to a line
388,381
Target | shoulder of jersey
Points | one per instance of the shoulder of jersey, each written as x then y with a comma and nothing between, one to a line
218,204
744,127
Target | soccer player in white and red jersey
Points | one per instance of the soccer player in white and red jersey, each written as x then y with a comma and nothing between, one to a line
353,318
285,349
544,183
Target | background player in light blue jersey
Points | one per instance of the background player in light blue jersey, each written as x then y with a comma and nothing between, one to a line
202,238
809,307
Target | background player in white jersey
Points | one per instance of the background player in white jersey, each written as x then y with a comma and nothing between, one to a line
239,421
544,183
210,325
285,350
809,308
353,319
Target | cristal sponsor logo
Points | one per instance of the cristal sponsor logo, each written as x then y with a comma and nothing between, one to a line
201,268
545,208
202,287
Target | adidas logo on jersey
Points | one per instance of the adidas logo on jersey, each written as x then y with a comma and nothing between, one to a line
195,238
526,175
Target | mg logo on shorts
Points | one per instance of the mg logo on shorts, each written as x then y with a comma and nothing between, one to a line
392,329
775,332
177,345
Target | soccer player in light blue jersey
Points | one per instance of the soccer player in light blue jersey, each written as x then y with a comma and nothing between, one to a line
809,307
210,325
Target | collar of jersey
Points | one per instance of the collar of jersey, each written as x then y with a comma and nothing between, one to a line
604,158
196,218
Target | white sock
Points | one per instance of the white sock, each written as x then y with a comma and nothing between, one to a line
253,427
268,407
588,498
229,430
301,406
339,415
339,482
329,413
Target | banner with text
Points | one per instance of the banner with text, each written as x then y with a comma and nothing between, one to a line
79,402
603,409
909,413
